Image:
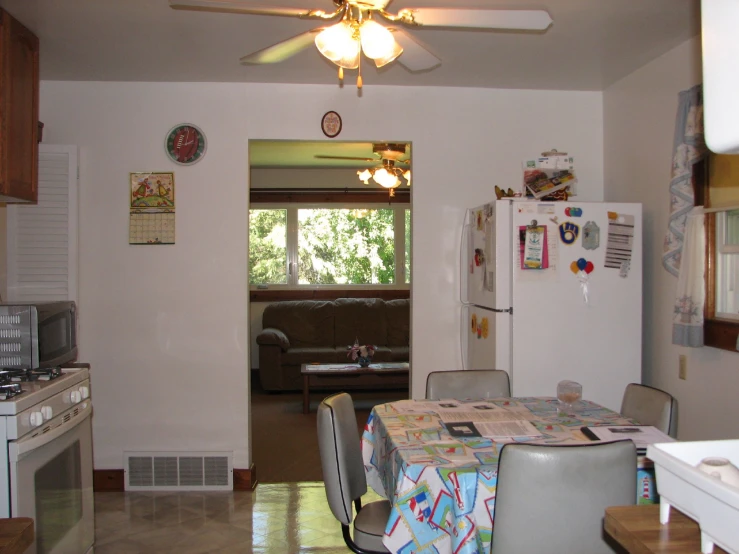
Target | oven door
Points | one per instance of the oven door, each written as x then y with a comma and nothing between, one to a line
51,482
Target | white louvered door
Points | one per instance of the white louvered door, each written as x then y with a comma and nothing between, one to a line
42,253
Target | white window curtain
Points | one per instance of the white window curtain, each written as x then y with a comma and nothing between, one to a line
688,148
687,321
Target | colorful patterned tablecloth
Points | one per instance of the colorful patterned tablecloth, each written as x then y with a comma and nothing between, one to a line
442,488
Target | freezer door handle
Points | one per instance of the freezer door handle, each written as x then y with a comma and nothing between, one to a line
463,330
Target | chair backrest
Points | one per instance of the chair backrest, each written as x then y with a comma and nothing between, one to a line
471,383
553,498
650,406
341,455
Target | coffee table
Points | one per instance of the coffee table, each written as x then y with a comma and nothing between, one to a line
332,370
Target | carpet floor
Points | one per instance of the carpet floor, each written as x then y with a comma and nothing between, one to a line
284,440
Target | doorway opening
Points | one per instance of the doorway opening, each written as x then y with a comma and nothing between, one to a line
322,241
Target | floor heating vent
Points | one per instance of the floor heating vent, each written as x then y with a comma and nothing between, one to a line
190,471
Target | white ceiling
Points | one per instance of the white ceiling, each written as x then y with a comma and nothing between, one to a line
591,44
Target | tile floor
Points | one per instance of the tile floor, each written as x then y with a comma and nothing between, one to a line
279,518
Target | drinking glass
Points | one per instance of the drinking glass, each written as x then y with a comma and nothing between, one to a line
568,392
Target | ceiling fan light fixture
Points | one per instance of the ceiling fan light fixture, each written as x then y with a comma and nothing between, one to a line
407,176
377,41
338,44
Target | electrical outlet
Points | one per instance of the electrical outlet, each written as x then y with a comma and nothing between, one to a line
683,371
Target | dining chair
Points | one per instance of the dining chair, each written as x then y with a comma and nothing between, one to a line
552,498
470,383
650,406
344,477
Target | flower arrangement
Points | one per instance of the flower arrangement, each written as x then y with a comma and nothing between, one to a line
361,353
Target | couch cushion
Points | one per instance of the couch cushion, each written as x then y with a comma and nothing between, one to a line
306,323
398,314
362,319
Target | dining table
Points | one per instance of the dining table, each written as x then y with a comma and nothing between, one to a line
442,487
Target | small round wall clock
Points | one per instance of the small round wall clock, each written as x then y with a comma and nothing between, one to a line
331,124
185,144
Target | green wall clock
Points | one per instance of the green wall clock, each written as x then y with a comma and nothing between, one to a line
185,144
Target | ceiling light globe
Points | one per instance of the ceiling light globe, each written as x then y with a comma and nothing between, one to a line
364,176
397,51
386,179
377,41
337,43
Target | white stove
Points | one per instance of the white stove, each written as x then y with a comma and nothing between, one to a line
46,465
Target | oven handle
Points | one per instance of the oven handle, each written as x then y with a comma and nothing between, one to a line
19,448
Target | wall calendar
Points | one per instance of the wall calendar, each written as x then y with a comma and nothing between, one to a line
152,208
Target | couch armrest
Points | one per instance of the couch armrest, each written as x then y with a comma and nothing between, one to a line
272,336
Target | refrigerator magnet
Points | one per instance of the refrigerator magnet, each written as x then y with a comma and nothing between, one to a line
568,232
590,236
479,257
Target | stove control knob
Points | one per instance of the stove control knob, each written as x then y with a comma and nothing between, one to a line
37,418
84,392
47,412
75,396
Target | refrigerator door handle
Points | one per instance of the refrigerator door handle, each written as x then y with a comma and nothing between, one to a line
463,248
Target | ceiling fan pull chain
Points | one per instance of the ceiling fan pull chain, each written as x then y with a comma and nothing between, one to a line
341,74
359,75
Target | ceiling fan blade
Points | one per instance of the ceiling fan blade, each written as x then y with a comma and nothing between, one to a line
322,157
415,56
529,20
235,6
282,50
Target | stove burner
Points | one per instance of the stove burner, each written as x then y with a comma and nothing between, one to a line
10,390
17,375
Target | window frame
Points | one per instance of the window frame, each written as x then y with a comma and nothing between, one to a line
293,200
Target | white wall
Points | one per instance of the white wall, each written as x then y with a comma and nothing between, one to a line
166,327
639,114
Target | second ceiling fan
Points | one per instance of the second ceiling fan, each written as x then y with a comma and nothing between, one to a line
394,165
355,29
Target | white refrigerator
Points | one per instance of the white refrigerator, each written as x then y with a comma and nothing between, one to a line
572,309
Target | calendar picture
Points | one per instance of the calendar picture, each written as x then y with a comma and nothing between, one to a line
152,208
152,190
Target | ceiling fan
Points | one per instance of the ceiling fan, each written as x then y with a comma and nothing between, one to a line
392,167
355,30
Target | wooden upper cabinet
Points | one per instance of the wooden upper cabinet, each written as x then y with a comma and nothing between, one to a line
19,84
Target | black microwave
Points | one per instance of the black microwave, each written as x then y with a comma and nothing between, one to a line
38,334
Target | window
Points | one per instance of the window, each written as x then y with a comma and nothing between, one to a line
727,264
329,245
718,180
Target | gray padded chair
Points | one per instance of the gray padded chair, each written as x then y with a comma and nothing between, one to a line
650,406
553,498
471,383
343,475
